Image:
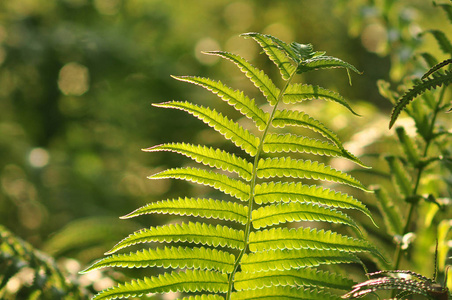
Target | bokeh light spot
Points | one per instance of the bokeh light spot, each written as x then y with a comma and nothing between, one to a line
239,16
107,7
374,38
282,31
245,48
73,79
38,157
206,44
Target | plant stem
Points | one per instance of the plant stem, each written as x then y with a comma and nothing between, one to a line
252,187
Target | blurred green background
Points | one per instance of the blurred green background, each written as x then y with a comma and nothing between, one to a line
77,79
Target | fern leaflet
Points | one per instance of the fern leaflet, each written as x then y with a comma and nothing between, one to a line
235,98
296,211
210,208
209,156
198,233
198,258
300,92
190,280
419,88
229,129
302,277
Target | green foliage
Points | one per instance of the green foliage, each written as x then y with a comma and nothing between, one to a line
421,87
75,82
246,259
31,274
417,208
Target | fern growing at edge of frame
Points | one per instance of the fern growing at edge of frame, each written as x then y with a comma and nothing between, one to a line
19,260
258,260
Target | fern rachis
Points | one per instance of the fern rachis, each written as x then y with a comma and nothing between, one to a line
237,270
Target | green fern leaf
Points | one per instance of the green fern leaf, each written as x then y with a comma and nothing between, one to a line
447,9
391,215
208,156
275,52
293,259
187,281
288,167
299,92
442,40
205,208
284,292
258,77
307,238
204,297
235,98
277,143
198,233
429,59
305,277
408,146
287,192
437,67
174,257
296,211
229,129
324,62
298,118
419,88
400,175
233,187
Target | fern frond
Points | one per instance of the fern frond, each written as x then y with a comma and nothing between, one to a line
258,77
255,269
297,168
305,277
229,129
198,233
299,92
419,88
296,211
298,118
284,292
208,156
275,52
235,98
187,281
233,187
174,257
205,208
293,259
307,238
290,191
